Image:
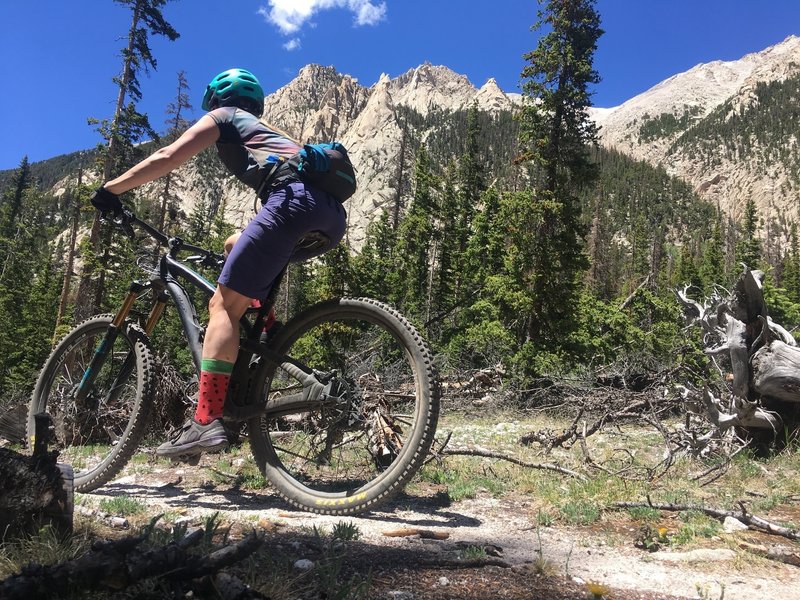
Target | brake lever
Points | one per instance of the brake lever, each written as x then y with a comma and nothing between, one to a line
213,260
123,221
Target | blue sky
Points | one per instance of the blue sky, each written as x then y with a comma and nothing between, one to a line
58,57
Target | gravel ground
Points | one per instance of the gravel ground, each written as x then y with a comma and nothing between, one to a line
430,562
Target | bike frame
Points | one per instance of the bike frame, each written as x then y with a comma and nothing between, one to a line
167,285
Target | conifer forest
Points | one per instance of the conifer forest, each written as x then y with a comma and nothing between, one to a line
520,244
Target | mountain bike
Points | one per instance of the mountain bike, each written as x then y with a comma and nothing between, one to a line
339,404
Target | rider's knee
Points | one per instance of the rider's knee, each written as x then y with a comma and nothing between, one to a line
225,300
229,243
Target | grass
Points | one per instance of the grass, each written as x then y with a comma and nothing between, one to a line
45,547
627,454
123,506
632,452
695,525
462,482
473,552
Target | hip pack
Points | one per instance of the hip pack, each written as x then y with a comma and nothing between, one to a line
323,166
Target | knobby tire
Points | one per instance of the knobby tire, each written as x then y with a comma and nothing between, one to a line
100,436
324,461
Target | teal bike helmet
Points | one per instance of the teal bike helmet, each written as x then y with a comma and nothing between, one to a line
235,87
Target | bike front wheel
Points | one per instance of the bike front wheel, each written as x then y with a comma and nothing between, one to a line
365,442
98,433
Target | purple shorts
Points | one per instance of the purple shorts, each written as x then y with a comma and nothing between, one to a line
268,242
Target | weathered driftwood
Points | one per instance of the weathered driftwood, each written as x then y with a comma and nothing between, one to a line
751,520
760,357
34,490
776,371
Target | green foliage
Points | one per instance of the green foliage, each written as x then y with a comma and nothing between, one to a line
695,525
580,512
754,132
30,281
666,124
555,132
122,505
564,263
782,307
748,247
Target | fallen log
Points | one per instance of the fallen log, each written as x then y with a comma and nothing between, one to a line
115,565
752,521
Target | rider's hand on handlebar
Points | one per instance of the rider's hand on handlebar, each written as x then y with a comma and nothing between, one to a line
106,202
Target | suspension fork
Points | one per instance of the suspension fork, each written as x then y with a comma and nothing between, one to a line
104,347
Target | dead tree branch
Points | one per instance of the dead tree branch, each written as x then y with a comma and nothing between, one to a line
752,521
483,452
115,565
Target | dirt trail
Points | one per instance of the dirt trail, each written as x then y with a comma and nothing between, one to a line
603,553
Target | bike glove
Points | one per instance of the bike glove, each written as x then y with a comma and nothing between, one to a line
105,201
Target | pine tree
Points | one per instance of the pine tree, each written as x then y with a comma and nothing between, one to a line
486,247
470,185
123,132
11,203
414,237
374,265
446,259
28,282
791,267
76,198
712,267
555,133
748,248
128,125
176,123
332,278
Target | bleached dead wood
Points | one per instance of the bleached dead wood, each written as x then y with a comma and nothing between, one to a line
776,371
749,519
758,359
485,453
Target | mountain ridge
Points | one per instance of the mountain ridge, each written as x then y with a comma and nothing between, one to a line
688,99
658,126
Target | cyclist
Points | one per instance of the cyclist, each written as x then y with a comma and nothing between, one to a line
250,149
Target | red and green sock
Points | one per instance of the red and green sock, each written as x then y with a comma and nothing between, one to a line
214,378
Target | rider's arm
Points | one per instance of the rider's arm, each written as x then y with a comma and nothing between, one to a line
193,141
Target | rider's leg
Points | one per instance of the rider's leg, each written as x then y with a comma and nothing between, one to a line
220,347
206,432
230,242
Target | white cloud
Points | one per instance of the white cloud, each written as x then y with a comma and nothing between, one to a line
292,44
368,13
289,16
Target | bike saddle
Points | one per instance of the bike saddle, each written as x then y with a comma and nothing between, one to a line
313,240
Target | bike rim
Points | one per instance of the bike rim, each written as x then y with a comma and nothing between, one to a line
87,433
346,447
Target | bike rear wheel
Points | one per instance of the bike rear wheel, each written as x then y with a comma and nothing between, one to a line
99,434
351,454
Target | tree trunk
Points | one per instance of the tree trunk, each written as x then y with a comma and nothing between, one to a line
73,239
37,490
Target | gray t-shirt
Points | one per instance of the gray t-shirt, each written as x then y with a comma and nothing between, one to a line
246,144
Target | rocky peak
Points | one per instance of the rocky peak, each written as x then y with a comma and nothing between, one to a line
677,104
491,98
430,86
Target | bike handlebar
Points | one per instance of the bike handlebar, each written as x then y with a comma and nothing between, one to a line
125,219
